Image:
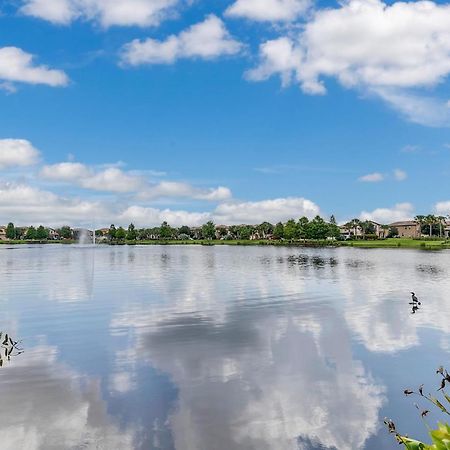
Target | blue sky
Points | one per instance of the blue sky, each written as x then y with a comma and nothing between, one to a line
234,111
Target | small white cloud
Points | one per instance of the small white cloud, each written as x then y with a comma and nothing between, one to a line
410,149
400,211
269,10
17,152
400,175
372,177
206,40
18,66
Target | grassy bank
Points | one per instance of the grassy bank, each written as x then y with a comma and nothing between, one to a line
423,244
21,242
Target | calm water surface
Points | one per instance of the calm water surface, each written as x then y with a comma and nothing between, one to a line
217,348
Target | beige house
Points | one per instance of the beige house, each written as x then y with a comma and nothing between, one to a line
407,228
3,234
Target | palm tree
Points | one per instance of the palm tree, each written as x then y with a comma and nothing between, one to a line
441,221
385,229
355,223
421,220
430,220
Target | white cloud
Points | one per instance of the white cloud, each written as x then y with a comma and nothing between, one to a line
17,66
385,49
268,10
206,40
400,211
147,216
400,175
279,209
17,152
179,189
65,171
442,207
372,177
114,179
105,12
26,205
111,179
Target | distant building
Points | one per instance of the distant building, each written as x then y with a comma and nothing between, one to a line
53,234
407,228
3,233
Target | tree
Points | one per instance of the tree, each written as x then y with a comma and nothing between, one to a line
430,220
165,231
65,232
209,230
290,229
245,232
278,232
184,230
318,228
112,232
10,231
333,220
120,234
421,221
41,233
265,229
441,222
302,227
131,234
30,234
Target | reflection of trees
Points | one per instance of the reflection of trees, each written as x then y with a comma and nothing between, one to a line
9,348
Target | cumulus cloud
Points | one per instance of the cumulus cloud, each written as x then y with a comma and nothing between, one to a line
268,10
372,177
206,40
17,152
105,12
29,205
114,179
388,50
442,207
279,209
17,65
400,211
180,189
147,216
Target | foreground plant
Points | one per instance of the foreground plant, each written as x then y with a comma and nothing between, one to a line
440,437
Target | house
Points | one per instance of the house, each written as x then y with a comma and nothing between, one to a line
407,228
2,233
53,234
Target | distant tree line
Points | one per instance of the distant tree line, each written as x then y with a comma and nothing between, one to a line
303,228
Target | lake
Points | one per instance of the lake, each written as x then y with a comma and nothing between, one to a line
218,348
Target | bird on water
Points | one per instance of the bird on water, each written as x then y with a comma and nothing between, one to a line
414,299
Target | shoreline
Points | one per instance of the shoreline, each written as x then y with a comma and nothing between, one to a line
421,244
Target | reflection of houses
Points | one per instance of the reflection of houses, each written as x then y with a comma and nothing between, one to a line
407,228
2,233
